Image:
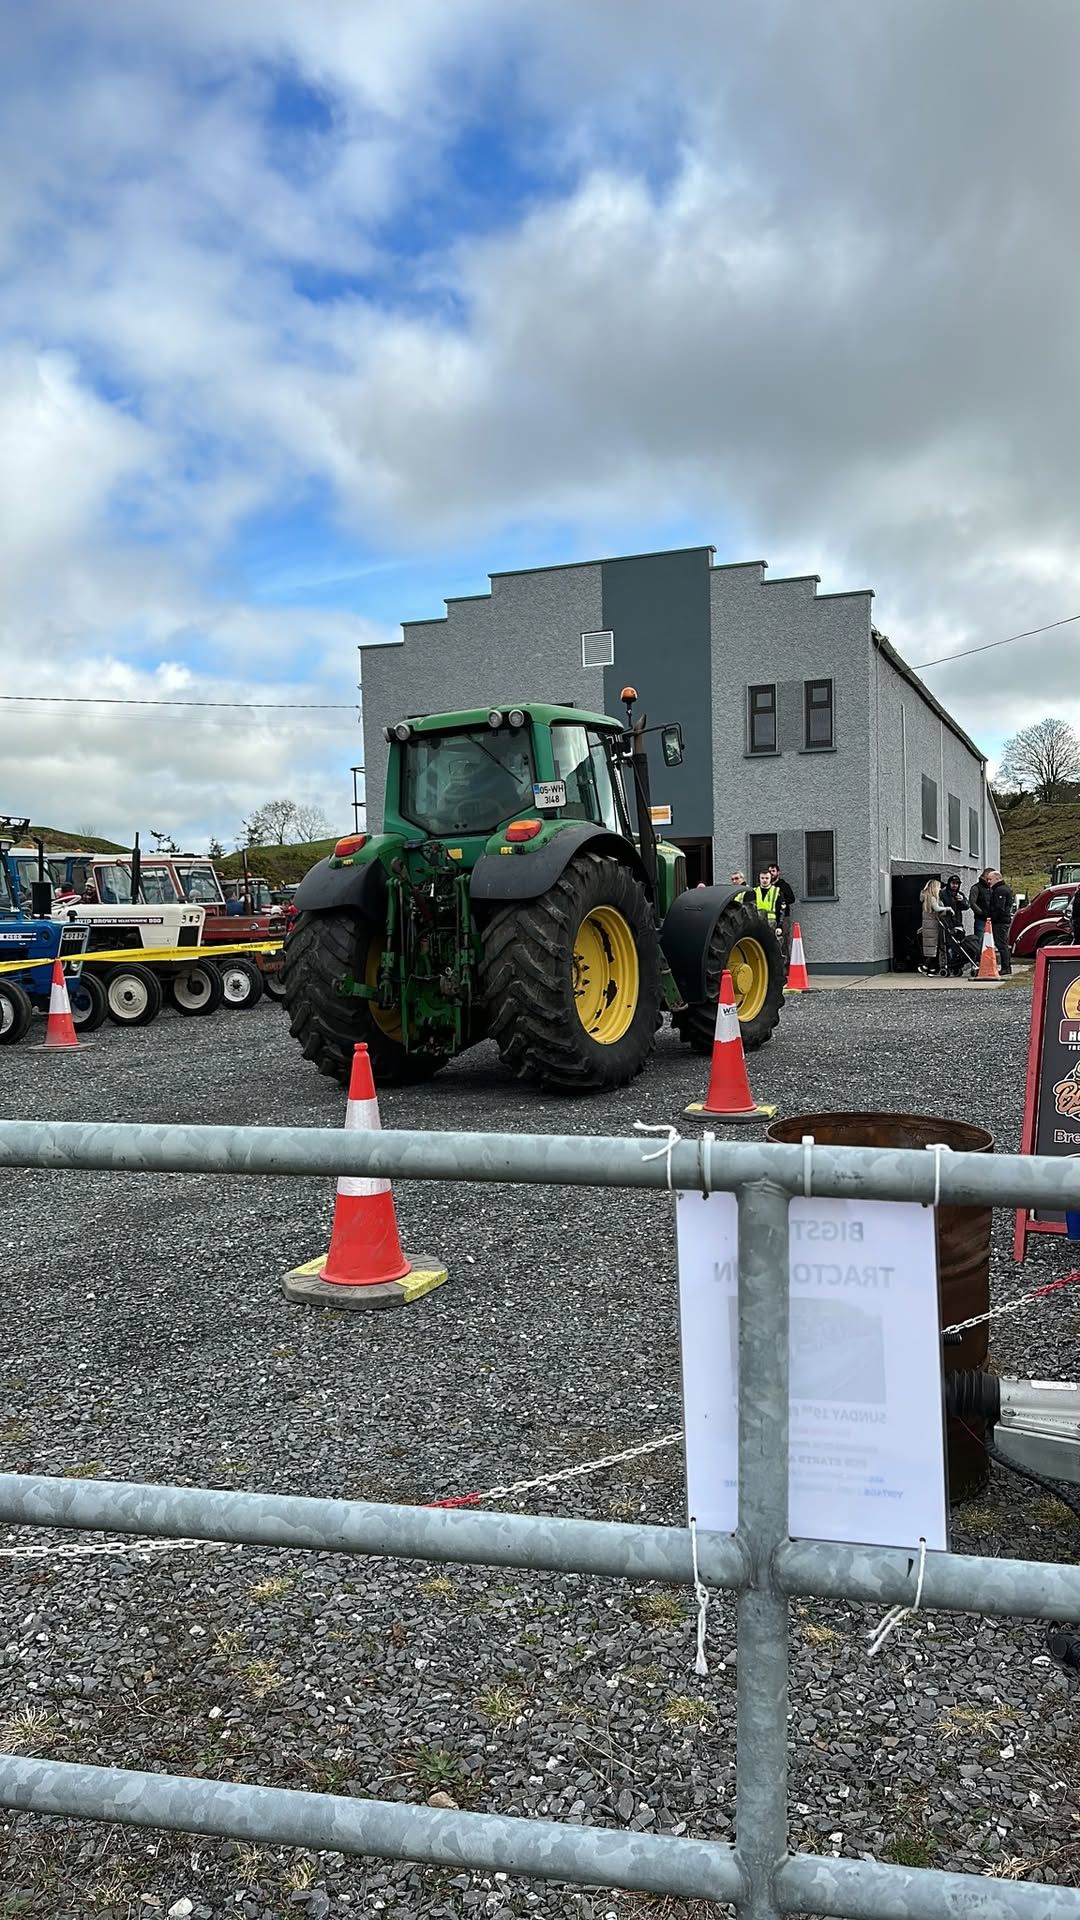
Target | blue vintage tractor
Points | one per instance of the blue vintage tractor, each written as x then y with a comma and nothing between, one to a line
30,935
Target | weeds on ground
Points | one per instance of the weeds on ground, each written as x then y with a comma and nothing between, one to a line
230,1642
436,1770
501,1705
684,1711
31,1729
909,1847
660,1609
962,1722
261,1677
274,1587
439,1586
300,1877
820,1636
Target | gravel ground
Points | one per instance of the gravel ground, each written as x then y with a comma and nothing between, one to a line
146,1337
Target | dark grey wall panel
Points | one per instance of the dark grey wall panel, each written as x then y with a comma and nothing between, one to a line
657,606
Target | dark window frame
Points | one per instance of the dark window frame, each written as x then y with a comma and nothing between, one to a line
809,857
756,867
754,713
930,786
974,835
814,709
953,800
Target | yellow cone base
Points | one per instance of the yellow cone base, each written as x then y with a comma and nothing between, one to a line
305,1287
699,1111
788,989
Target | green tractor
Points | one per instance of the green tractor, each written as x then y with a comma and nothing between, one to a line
508,898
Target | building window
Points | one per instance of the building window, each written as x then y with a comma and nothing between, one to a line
817,696
763,853
929,808
820,866
973,832
762,719
598,649
954,821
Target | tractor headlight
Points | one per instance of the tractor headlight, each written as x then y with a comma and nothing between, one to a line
402,731
495,718
516,717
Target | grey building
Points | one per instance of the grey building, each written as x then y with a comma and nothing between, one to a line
808,738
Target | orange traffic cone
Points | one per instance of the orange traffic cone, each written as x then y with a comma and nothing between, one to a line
60,1032
988,960
365,1266
798,980
729,1096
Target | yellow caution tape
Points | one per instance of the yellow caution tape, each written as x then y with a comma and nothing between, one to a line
145,956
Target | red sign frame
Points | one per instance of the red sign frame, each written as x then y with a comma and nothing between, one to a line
1025,1223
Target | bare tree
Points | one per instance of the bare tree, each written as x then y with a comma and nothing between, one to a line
1044,757
270,824
163,841
310,822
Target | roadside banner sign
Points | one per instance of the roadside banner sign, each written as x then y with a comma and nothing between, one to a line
1052,1089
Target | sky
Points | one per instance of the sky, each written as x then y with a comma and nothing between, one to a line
312,314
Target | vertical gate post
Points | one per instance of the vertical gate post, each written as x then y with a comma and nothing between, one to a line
762,1664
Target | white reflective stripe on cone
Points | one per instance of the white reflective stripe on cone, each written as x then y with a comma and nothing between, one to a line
358,1187
58,999
797,948
361,1114
727,1022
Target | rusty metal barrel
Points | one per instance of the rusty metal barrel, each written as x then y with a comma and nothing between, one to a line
963,1251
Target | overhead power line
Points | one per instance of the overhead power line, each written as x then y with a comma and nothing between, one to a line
117,700
966,652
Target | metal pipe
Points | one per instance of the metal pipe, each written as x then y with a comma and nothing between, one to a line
464,1535
762,1666
541,1159
872,1890
959,1583
386,1830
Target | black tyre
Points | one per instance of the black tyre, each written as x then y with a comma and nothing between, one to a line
571,981
198,990
16,1013
241,982
320,950
89,1005
274,985
134,995
744,943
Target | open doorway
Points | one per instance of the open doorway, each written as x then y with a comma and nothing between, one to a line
907,919
699,861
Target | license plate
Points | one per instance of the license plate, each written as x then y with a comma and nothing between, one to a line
549,793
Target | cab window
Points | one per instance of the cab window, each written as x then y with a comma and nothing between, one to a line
466,782
200,885
157,886
113,885
582,763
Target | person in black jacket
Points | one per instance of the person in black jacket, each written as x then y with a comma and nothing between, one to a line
1001,913
1076,917
979,902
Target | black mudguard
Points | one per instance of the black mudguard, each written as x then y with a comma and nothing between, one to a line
360,889
686,933
499,877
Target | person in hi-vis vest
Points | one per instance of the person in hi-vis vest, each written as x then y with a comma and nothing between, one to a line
767,897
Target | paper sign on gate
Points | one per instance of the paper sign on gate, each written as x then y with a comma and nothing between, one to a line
867,1455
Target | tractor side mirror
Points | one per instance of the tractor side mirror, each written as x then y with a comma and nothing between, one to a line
41,899
671,742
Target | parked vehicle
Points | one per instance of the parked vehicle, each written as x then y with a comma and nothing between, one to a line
1045,921
31,936
1065,873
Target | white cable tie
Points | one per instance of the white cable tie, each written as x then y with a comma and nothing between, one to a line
807,1163
701,1595
664,1151
896,1614
937,1148
707,1142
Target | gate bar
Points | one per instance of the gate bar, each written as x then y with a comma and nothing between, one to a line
572,1160
385,1829
874,1890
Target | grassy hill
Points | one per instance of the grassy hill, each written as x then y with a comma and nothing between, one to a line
1034,835
84,842
281,865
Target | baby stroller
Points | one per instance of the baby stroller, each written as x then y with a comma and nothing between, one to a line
960,951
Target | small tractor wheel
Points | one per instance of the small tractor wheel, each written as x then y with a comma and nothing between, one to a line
242,982
571,981
198,990
274,985
89,1005
16,1013
744,943
320,950
134,995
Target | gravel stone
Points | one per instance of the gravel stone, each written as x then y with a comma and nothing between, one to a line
164,1350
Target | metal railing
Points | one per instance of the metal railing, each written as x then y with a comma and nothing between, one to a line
759,1563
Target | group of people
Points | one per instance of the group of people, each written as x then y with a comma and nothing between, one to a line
774,897
946,947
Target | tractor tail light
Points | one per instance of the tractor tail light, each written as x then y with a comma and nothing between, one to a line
523,830
352,843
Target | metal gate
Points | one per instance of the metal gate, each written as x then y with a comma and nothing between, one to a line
760,1563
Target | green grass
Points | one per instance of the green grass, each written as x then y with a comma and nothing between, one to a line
281,865
1032,838
60,842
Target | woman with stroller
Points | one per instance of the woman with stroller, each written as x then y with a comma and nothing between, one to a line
933,927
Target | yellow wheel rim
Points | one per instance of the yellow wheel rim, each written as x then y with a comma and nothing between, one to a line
749,968
606,975
387,1019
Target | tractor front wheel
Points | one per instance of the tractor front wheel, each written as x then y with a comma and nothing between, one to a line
320,950
744,943
16,1013
571,981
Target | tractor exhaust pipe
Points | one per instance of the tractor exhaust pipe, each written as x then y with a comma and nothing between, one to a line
639,762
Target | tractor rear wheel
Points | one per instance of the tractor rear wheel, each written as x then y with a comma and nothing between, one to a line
571,981
134,995
242,981
744,943
16,1013
197,991
89,1005
320,950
